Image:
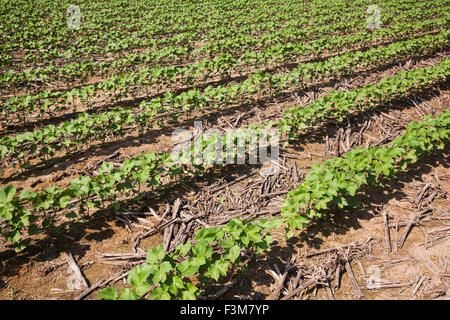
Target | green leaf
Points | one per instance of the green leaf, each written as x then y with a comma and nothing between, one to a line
156,254
234,253
159,294
109,293
253,233
13,236
137,277
202,249
187,268
183,249
71,215
128,294
63,201
226,243
27,194
352,188
142,289
188,295
7,194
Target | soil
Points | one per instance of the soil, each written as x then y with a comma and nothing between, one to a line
417,270
41,271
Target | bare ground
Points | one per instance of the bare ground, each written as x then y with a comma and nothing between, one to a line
41,271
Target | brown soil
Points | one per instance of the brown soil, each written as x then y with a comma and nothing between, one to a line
41,271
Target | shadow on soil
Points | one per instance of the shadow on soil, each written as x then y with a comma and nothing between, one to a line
46,249
340,221
134,102
107,148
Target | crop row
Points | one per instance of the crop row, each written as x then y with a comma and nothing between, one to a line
218,249
116,39
172,51
72,134
147,170
189,20
48,102
215,64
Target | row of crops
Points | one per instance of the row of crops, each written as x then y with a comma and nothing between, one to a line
132,67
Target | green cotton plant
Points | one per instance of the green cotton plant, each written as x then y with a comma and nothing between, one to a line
51,101
57,37
170,275
46,141
338,179
146,168
149,168
15,216
102,188
167,276
337,104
